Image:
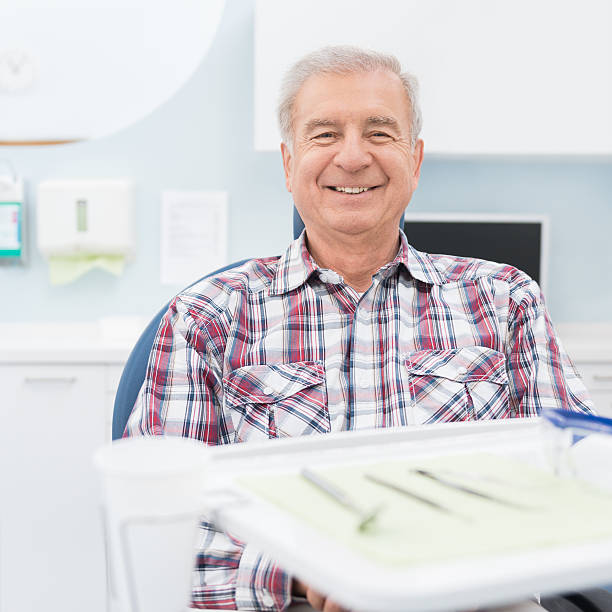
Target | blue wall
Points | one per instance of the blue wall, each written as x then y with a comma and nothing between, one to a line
203,139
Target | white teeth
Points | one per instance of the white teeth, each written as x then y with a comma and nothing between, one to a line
351,189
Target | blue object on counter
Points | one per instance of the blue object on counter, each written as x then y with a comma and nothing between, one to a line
577,420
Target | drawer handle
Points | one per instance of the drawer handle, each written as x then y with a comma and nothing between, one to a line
36,380
602,377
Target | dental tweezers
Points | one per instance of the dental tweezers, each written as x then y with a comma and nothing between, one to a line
366,515
468,490
399,489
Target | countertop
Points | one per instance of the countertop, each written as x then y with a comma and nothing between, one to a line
104,341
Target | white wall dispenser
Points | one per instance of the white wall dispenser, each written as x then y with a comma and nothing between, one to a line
85,224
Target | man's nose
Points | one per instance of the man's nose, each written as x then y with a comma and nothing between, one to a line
353,154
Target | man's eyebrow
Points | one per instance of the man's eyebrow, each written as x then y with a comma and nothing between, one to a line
382,120
314,124
373,120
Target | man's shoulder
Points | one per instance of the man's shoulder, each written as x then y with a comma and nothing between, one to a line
245,277
453,268
212,299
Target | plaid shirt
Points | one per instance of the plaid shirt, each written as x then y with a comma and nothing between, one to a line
279,347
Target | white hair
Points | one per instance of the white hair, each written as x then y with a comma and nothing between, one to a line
342,59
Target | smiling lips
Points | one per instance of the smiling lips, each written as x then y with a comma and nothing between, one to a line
351,189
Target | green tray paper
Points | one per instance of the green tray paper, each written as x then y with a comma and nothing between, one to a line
558,511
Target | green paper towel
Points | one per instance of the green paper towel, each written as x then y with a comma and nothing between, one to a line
66,269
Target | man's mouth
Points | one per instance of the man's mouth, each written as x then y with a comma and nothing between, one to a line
351,189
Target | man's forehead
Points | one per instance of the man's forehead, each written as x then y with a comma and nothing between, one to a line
376,97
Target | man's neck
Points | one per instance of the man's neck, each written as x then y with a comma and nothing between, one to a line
354,258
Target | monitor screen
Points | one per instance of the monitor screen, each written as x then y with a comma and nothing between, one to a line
519,243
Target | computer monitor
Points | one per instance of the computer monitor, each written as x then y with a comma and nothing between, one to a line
518,240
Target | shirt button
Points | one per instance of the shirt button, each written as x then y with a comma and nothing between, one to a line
461,371
268,390
329,276
268,600
364,383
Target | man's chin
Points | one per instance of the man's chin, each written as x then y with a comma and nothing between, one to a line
358,228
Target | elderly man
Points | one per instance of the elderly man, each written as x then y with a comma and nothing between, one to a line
352,327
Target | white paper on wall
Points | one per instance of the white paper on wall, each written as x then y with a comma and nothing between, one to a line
193,235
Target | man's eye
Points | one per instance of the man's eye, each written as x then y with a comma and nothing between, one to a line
324,136
380,135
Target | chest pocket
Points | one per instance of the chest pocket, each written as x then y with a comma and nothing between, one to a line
461,384
277,401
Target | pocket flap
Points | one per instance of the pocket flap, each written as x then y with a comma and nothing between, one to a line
467,364
266,384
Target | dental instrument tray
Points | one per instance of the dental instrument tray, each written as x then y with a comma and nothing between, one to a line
464,514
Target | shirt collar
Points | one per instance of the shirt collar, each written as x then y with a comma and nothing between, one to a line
296,265
419,264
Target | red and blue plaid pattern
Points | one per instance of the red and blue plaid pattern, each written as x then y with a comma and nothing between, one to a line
279,347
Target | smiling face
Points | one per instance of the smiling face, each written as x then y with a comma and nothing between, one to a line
352,169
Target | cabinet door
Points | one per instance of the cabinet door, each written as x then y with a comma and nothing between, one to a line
113,375
51,537
603,403
597,377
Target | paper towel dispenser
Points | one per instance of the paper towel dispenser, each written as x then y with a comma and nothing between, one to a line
85,217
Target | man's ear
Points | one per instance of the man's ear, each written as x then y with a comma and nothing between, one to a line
418,158
287,159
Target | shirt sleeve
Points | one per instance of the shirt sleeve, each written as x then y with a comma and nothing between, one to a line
182,395
541,374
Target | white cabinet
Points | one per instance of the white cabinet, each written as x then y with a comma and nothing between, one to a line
112,375
597,377
590,347
58,385
53,417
